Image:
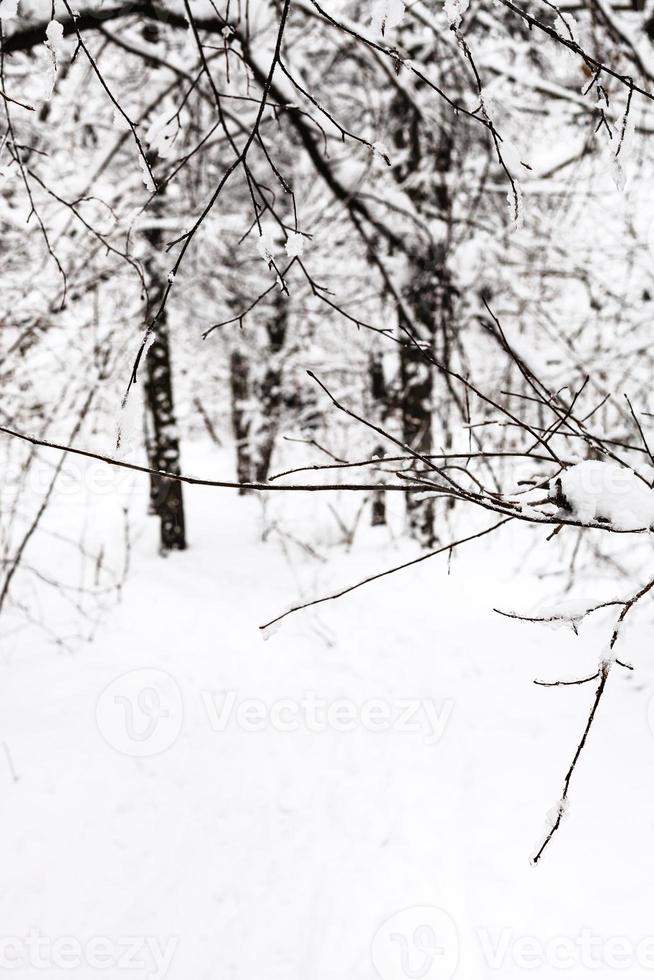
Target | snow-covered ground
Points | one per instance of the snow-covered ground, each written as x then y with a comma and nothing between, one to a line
357,796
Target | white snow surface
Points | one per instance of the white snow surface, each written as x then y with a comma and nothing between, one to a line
296,849
599,490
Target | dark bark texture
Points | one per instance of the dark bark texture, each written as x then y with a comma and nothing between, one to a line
257,402
166,496
239,376
380,399
428,299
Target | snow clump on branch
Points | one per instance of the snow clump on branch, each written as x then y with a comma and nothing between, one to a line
598,492
454,11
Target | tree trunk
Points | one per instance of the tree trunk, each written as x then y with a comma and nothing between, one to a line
270,391
257,403
240,386
428,301
166,497
416,377
379,393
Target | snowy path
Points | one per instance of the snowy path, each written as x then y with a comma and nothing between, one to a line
278,855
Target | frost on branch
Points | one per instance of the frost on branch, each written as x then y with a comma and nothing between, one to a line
618,174
385,14
553,818
454,11
54,43
294,245
145,175
597,492
266,245
380,152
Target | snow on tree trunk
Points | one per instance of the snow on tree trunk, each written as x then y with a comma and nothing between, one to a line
269,401
258,399
166,496
239,375
168,502
381,407
416,411
427,297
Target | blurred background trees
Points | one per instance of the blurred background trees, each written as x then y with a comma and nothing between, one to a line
199,204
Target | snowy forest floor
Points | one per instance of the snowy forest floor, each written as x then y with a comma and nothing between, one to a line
253,853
